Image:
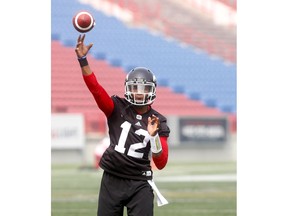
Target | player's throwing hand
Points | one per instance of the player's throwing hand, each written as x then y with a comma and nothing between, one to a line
82,50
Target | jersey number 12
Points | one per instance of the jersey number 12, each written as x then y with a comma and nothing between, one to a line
120,147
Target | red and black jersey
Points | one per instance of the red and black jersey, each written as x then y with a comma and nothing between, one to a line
129,153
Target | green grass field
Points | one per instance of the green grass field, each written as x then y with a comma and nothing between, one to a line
75,190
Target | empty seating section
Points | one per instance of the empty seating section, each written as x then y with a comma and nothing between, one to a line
69,93
173,18
190,82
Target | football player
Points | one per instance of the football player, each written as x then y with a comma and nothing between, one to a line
137,132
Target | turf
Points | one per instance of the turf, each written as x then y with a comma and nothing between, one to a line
75,190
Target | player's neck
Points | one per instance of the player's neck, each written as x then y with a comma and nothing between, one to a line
142,109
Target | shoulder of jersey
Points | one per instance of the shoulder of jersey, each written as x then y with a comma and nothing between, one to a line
159,115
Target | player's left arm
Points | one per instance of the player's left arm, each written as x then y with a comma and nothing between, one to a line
159,145
160,159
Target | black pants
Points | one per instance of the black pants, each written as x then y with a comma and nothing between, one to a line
115,193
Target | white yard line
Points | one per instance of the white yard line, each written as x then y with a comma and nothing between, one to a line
198,178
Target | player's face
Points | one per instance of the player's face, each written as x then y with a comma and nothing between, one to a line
139,91
140,88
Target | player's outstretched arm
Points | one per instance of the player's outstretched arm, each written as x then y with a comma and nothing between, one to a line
103,100
81,52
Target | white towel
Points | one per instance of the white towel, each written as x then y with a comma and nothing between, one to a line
160,198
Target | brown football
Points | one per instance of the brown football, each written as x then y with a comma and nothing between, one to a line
83,21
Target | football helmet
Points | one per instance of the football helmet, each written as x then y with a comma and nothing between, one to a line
140,86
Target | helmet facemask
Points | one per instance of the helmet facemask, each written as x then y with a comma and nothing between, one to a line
140,93
140,86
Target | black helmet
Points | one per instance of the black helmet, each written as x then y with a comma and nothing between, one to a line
140,86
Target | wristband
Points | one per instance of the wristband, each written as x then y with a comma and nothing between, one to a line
83,61
155,142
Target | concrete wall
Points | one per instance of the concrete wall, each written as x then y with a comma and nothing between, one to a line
199,139
195,153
